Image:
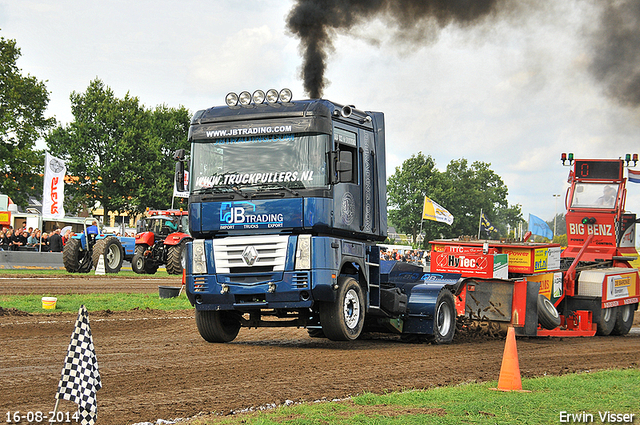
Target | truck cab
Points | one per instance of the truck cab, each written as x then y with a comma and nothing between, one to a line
286,201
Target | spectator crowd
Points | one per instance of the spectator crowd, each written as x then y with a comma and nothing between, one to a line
30,239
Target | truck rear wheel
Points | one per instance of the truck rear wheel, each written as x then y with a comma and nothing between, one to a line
444,320
75,259
111,249
218,326
548,316
174,258
607,321
624,319
343,320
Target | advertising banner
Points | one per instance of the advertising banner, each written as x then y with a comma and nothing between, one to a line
53,188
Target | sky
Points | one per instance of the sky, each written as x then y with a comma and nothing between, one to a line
515,91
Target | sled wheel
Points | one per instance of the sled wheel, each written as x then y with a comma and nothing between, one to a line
218,326
137,263
343,320
548,316
73,256
624,319
111,249
444,320
175,256
607,321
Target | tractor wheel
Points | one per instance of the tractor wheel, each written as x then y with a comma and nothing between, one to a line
548,316
343,320
150,266
607,321
175,255
111,249
140,248
137,263
218,326
74,258
444,320
624,319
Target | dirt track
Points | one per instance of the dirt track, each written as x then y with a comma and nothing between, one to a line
154,364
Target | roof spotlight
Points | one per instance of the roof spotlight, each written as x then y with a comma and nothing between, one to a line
231,99
258,97
272,95
285,95
245,98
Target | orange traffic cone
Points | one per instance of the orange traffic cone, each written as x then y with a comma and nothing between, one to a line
509,379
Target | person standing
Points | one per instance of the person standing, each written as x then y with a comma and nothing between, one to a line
55,241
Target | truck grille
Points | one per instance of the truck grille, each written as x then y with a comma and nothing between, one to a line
261,253
301,280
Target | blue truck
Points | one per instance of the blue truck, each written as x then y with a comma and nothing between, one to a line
287,201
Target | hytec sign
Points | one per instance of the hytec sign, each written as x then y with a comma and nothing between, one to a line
470,264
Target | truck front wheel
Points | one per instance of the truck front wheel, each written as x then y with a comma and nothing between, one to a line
444,320
624,319
343,320
218,326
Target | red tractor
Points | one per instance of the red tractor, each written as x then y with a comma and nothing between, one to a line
160,239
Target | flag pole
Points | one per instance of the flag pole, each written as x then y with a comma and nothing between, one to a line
479,223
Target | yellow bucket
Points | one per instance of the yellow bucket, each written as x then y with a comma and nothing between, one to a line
49,303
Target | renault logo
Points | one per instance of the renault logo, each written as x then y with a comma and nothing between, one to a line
250,255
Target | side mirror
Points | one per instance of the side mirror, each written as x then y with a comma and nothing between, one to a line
180,176
344,166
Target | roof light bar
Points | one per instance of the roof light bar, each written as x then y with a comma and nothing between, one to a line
258,97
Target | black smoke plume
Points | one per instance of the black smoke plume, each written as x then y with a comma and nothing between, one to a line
317,22
616,51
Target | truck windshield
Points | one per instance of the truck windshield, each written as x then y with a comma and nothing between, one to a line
260,162
595,195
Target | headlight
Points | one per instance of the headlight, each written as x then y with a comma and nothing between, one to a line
199,259
245,98
285,95
231,99
303,253
258,97
272,95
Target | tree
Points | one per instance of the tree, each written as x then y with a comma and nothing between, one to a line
118,150
406,190
461,189
23,101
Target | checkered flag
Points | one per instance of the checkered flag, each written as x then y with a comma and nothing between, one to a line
80,376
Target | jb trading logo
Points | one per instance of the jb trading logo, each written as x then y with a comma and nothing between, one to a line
243,213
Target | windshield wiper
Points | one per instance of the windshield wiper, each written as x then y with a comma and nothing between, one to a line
217,190
278,187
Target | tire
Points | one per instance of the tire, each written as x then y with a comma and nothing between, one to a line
548,316
137,263
607,321
218,326
75,260
111,249
343,319
140,249
174,258
444,319
150,266
315,333
624,319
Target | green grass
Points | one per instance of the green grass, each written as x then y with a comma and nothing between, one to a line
94,302
161,273
616,391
